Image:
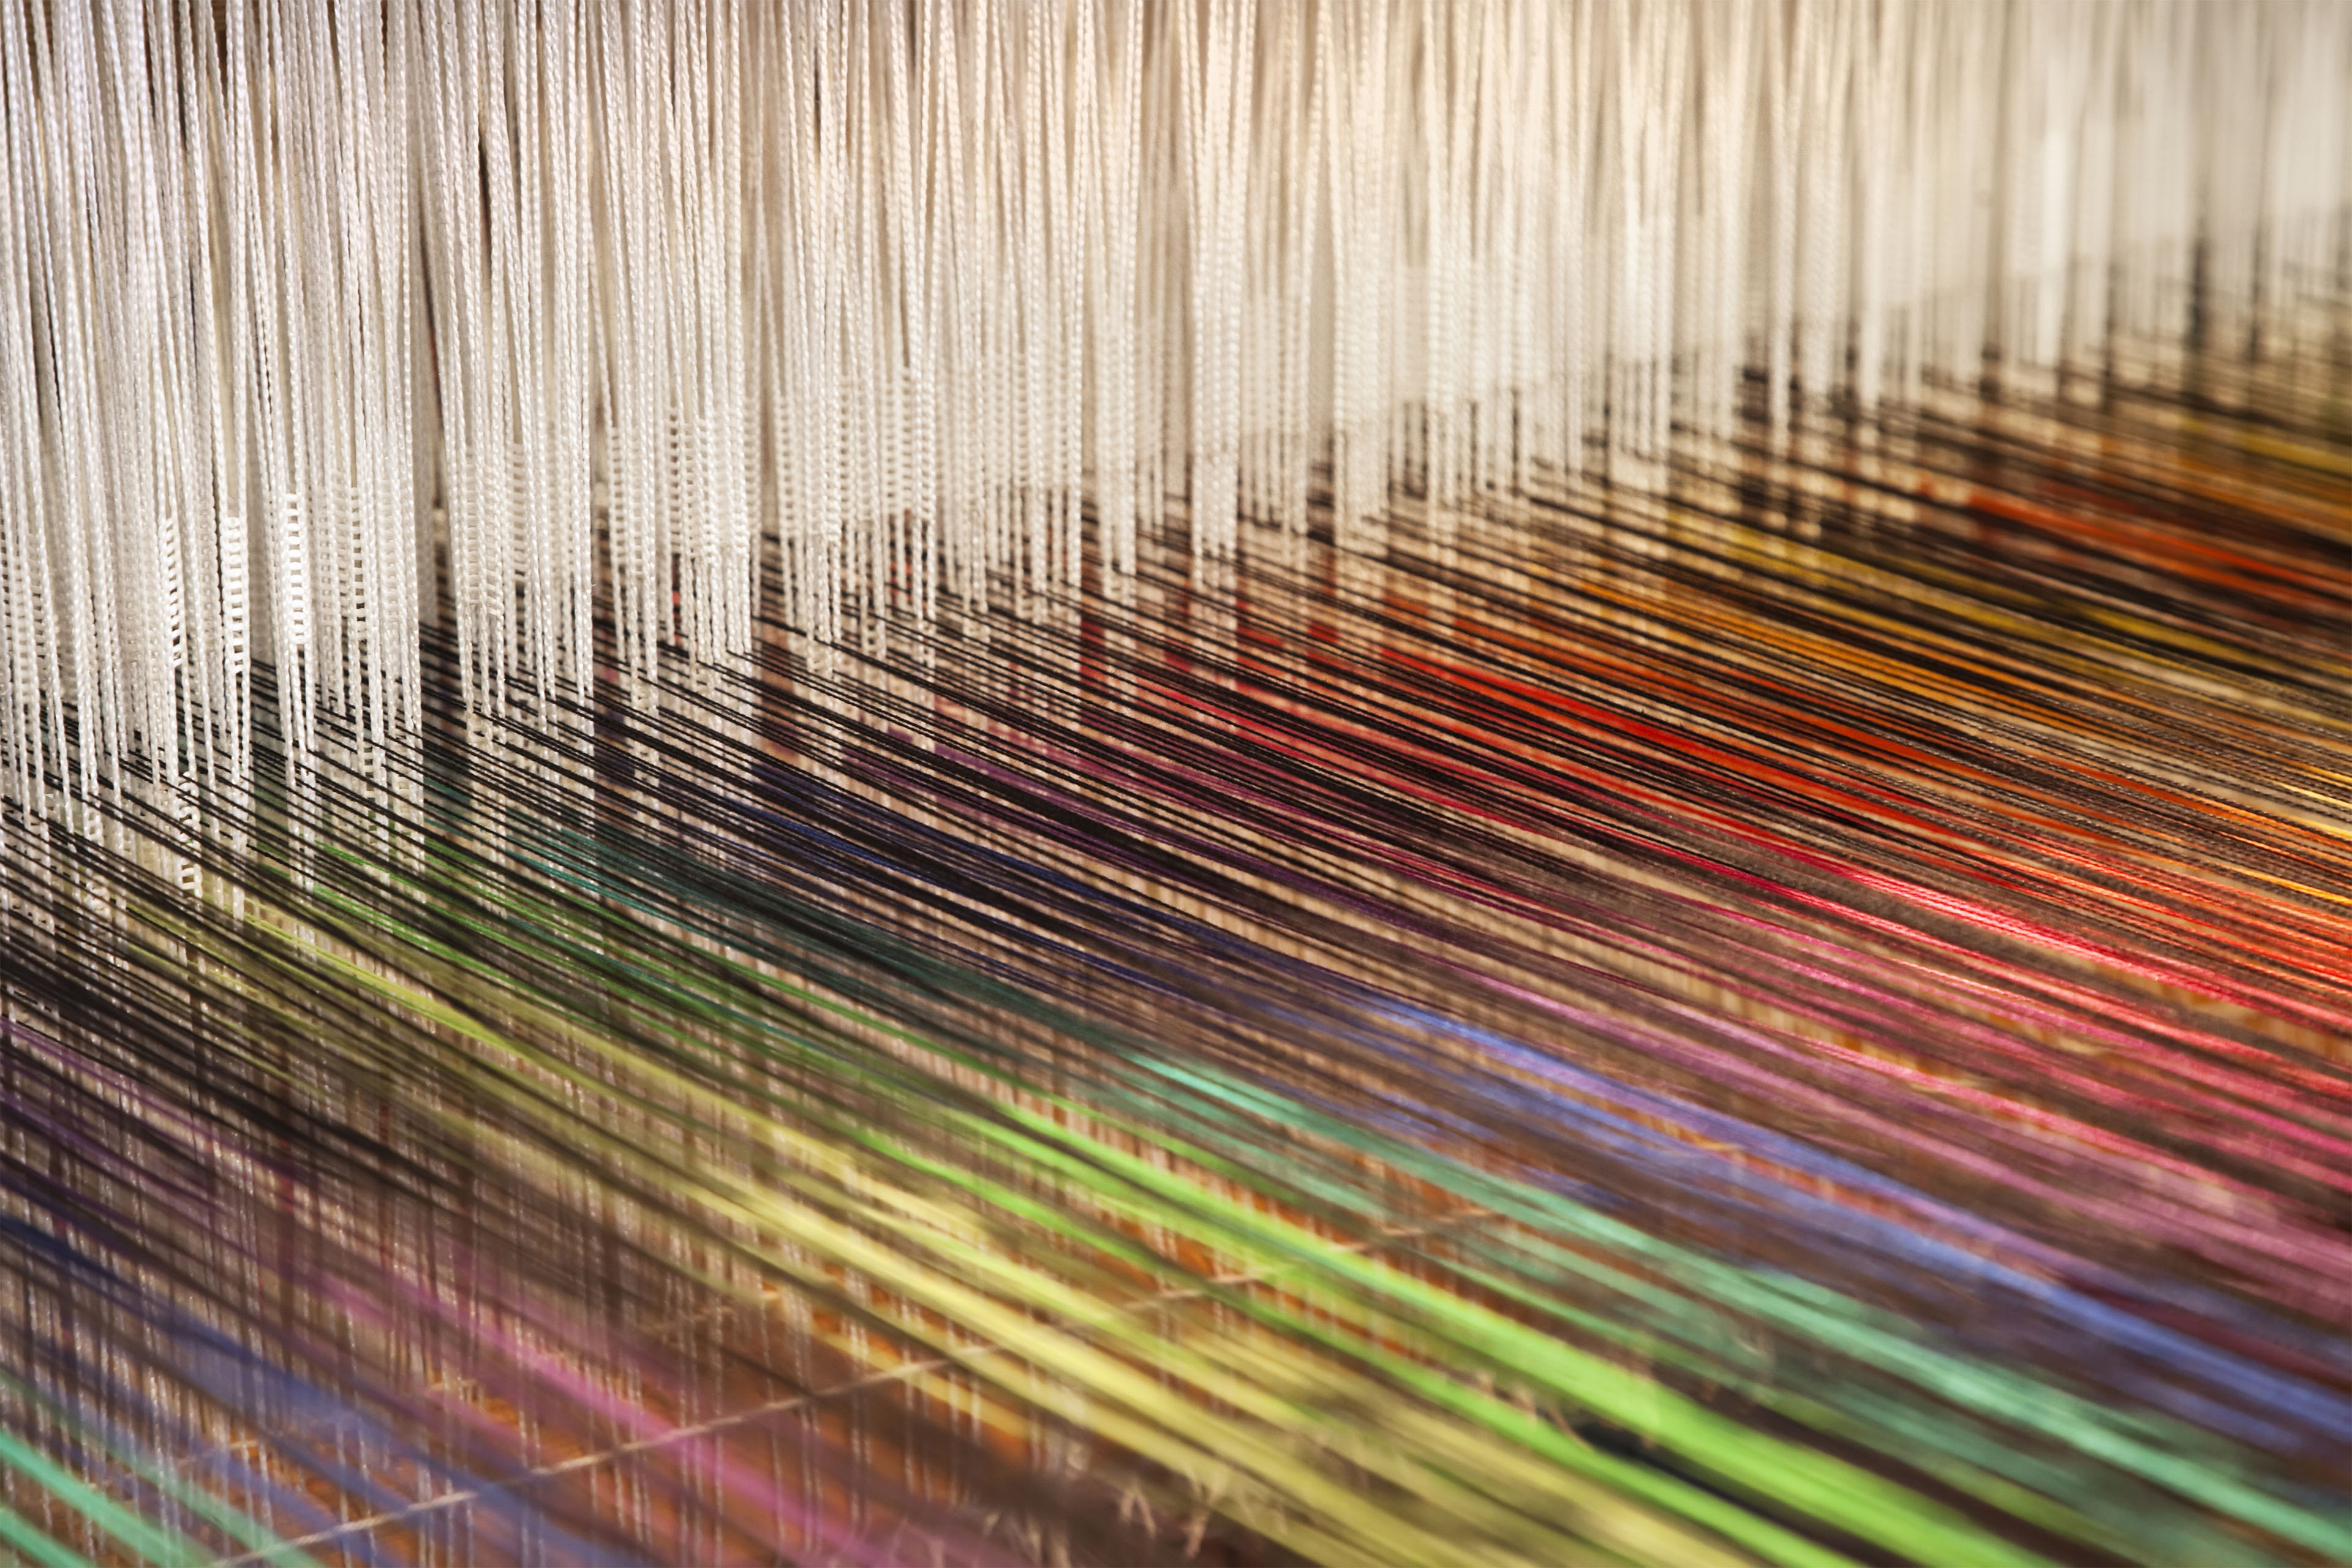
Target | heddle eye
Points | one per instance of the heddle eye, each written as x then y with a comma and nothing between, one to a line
1113,782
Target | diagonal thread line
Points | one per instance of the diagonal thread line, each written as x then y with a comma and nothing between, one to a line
904,1372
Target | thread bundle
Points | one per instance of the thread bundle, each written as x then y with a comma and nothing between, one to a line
1083,783
605,306
1797,1023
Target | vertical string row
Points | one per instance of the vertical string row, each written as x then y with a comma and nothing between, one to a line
606,312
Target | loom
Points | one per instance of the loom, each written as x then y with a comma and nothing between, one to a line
1418,781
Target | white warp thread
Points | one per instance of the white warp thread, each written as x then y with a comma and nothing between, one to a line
610,302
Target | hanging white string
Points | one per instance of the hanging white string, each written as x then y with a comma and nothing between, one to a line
601,308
